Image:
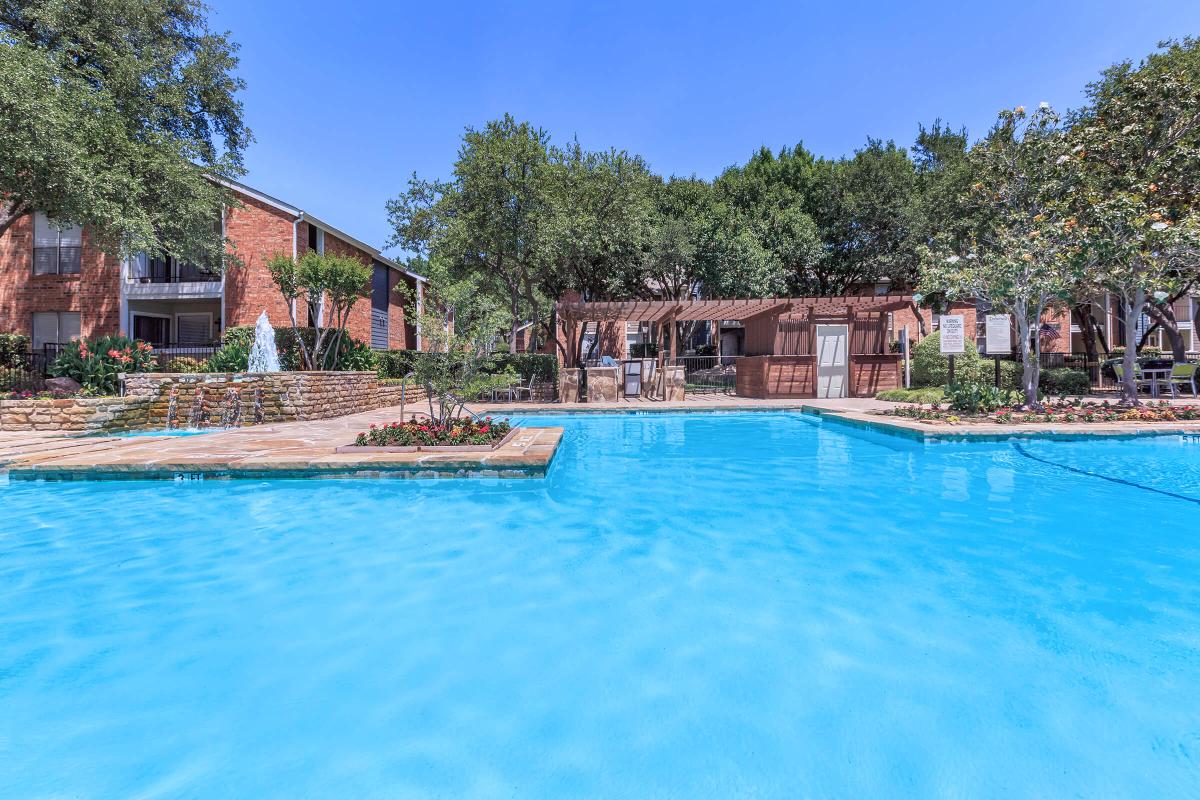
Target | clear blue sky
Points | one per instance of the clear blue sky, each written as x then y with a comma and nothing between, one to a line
347,100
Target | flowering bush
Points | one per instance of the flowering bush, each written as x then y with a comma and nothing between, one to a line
417,432
27,394
96,364
1065,411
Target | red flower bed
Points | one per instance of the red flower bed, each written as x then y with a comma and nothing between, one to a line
1068,412
418,433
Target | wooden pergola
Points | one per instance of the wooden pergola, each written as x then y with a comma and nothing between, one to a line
670,312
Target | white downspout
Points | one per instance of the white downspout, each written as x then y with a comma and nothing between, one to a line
295,249
224,321
420,310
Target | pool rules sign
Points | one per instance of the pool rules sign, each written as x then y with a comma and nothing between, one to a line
953,339
999,334
953,336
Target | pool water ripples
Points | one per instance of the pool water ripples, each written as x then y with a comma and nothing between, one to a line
687,606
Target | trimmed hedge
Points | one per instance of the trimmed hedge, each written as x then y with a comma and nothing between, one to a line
1064,381
931,368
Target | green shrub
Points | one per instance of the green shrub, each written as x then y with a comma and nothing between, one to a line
1064,381
234,353
539,366
930,394
357,356
643,350
979,398
186,364
12,347
95,365
931,368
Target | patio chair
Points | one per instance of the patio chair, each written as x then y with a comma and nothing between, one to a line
1138,381
1183,375
523,389
507,393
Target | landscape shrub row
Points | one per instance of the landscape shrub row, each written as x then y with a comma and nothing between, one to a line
394,364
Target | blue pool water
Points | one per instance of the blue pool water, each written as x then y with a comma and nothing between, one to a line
163,432
690,606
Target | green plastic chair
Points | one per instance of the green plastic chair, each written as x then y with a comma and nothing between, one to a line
1138,381
1184,375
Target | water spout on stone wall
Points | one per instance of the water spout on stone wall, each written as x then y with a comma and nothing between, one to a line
232,416
172,410
198,416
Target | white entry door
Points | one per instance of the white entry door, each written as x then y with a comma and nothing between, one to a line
833,371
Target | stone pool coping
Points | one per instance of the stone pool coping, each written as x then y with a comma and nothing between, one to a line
287,450
307,449
937,431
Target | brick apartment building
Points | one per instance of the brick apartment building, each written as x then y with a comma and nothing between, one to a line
56,285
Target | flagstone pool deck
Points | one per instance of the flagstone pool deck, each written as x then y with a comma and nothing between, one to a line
307,449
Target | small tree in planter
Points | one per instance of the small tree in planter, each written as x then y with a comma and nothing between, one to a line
334,281
457,367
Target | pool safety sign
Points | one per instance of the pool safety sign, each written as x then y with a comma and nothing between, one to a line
953,336
999,333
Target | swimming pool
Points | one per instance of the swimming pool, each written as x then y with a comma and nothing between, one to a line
727,605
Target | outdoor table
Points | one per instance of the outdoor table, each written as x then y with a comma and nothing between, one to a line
1155,375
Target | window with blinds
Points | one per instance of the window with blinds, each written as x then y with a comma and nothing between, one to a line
57,250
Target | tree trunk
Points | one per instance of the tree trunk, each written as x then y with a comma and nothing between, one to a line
1133,310
1088,329
920,320
10,213
1164,317
1031,361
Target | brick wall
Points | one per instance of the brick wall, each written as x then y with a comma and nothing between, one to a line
359,322
258,233
94,292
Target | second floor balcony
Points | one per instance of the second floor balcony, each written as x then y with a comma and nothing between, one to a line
168,278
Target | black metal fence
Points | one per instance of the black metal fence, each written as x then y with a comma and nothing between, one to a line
27,372
1101,377
24,372
709,374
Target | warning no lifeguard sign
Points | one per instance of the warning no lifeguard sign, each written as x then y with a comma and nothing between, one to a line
953,336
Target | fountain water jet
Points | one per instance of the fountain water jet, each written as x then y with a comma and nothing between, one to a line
263,355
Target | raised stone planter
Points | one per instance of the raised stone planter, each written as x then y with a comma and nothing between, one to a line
76,414
431,448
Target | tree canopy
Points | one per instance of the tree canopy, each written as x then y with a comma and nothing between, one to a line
117,114
1042,212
